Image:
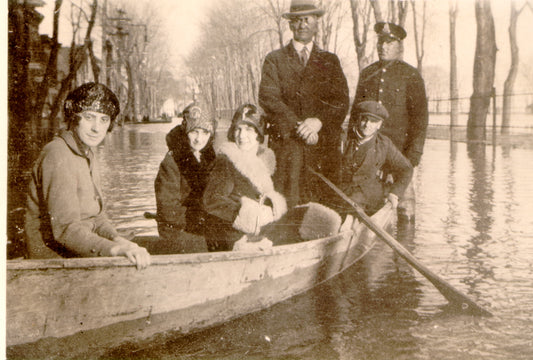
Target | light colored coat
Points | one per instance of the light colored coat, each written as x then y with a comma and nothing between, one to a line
64,215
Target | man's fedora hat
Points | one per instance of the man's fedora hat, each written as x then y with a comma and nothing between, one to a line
390,31
303,7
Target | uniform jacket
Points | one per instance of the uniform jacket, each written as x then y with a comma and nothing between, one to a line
360,165
64,215
289,93
400,88
180,184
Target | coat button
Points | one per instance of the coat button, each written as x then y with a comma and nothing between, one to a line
93,250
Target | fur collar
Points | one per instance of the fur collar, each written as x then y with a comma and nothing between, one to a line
256,168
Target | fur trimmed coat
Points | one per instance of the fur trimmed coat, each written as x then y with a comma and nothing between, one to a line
239,193
65,210
179,187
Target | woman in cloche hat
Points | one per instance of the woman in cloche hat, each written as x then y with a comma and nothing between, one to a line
240,194
182,178
65,214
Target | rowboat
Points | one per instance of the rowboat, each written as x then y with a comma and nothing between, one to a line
72,307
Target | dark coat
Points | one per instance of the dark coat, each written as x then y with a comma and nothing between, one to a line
360,165
400,88
234,177
65,210
289,93
179,187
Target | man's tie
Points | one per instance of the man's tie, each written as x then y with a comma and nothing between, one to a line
304,56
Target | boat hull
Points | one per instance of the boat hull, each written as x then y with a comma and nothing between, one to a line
76,306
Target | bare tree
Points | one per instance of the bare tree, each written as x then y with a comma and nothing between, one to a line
226,64
454,92
330,23
484,71
361,13
419,31
508,86
396,11
273,10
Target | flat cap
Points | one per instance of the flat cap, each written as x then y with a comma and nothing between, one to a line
390,31
373,109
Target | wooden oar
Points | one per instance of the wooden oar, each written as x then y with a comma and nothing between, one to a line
453,295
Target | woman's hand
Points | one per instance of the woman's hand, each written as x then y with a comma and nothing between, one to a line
136,254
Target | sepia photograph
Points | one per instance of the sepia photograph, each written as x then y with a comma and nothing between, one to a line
268,179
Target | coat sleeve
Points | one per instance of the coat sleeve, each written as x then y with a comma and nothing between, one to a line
417,108
400,167
337,99
359,97
59,188
271,99
218,198
168,195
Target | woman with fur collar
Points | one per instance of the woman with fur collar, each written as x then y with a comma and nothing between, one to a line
240,193
182,178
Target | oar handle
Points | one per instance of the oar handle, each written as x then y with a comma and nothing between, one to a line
447,290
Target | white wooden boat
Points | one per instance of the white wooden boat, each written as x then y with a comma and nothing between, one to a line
69,307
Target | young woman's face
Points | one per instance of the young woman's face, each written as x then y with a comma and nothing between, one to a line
92,127
246,137
198,138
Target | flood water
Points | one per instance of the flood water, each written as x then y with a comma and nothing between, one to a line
474,228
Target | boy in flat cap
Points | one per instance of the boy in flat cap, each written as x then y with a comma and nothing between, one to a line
304,95
400,88
367,152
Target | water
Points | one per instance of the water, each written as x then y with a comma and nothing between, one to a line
474,228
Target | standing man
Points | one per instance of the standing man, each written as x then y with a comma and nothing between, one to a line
304,95
400,88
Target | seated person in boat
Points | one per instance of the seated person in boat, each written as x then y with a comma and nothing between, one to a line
367,153
239,193
65,210
182,178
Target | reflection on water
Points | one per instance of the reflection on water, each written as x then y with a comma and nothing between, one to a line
474,229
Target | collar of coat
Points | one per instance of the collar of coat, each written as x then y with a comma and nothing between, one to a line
259,173
76,146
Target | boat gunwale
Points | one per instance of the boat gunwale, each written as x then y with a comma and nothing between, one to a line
170,259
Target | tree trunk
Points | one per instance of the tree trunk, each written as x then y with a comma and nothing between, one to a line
454,92
419,34
78,57
361,24
484,68
513,70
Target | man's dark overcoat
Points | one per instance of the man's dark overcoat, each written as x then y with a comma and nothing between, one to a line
289,93
400,88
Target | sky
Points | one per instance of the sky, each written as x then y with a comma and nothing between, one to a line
182,20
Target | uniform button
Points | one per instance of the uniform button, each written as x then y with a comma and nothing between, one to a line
379,101
93,250
382,80
380,90
384,70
